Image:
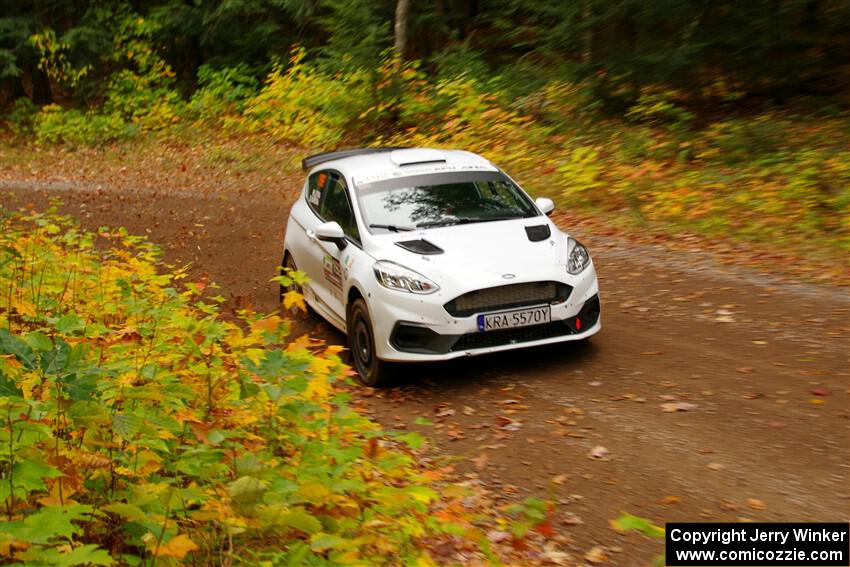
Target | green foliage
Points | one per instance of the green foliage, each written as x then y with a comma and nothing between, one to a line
54,59
357,33
222,92
20,118
718,52
767,177
139,427
75,128
300,104
581,171
659,107
630,523
736,141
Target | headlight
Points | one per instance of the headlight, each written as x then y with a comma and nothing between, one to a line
577,257
394,276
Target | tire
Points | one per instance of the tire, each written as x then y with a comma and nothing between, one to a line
371,370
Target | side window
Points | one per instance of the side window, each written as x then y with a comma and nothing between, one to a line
334,204
316,186
335,207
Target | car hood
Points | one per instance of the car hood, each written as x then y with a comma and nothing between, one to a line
480,254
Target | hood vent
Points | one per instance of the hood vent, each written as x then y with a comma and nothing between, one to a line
538,233
420,246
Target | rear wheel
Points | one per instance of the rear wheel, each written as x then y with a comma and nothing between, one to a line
371,370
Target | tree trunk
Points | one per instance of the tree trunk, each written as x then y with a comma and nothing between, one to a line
41,92
402,9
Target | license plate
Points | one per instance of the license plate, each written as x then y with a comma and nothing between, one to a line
513,319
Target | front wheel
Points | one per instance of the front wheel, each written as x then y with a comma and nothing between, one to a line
371,370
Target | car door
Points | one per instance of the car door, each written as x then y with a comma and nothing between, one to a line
335,205
300,236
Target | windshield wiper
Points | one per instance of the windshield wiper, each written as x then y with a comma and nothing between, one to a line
493,219
391,227
447,222
462,220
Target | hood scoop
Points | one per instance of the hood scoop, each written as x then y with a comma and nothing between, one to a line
420,246
538,232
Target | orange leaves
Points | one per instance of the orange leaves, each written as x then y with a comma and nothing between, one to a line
199,430
371,449
270,324
177,547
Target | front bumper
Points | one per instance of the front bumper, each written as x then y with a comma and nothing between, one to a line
418,328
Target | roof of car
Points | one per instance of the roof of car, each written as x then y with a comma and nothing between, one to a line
365,165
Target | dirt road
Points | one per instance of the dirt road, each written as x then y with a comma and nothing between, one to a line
716,395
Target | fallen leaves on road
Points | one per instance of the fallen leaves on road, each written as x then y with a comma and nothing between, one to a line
671,407
507,424
756,504
596,555
443,410
455,432
599,452
820,392
555,557
560,479
716,466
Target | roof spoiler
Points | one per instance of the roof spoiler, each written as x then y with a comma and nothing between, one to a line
312,161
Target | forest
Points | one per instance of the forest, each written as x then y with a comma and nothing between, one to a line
147,419
723,118
717,117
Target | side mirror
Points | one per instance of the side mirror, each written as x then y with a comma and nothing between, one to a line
545,205
332,232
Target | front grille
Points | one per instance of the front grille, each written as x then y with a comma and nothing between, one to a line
512,336
507,296
411,337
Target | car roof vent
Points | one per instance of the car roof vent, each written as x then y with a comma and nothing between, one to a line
538,232
420,246
417,156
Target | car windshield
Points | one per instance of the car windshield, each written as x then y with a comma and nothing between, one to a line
442,199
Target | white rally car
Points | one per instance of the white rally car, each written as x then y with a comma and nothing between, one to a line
422,254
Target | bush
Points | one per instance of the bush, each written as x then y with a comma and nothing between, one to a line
142,100
222,92
140,427
658,106
736,141
304,106
20,118
56,125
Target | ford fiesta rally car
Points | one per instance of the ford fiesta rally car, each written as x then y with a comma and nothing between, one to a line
422,254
